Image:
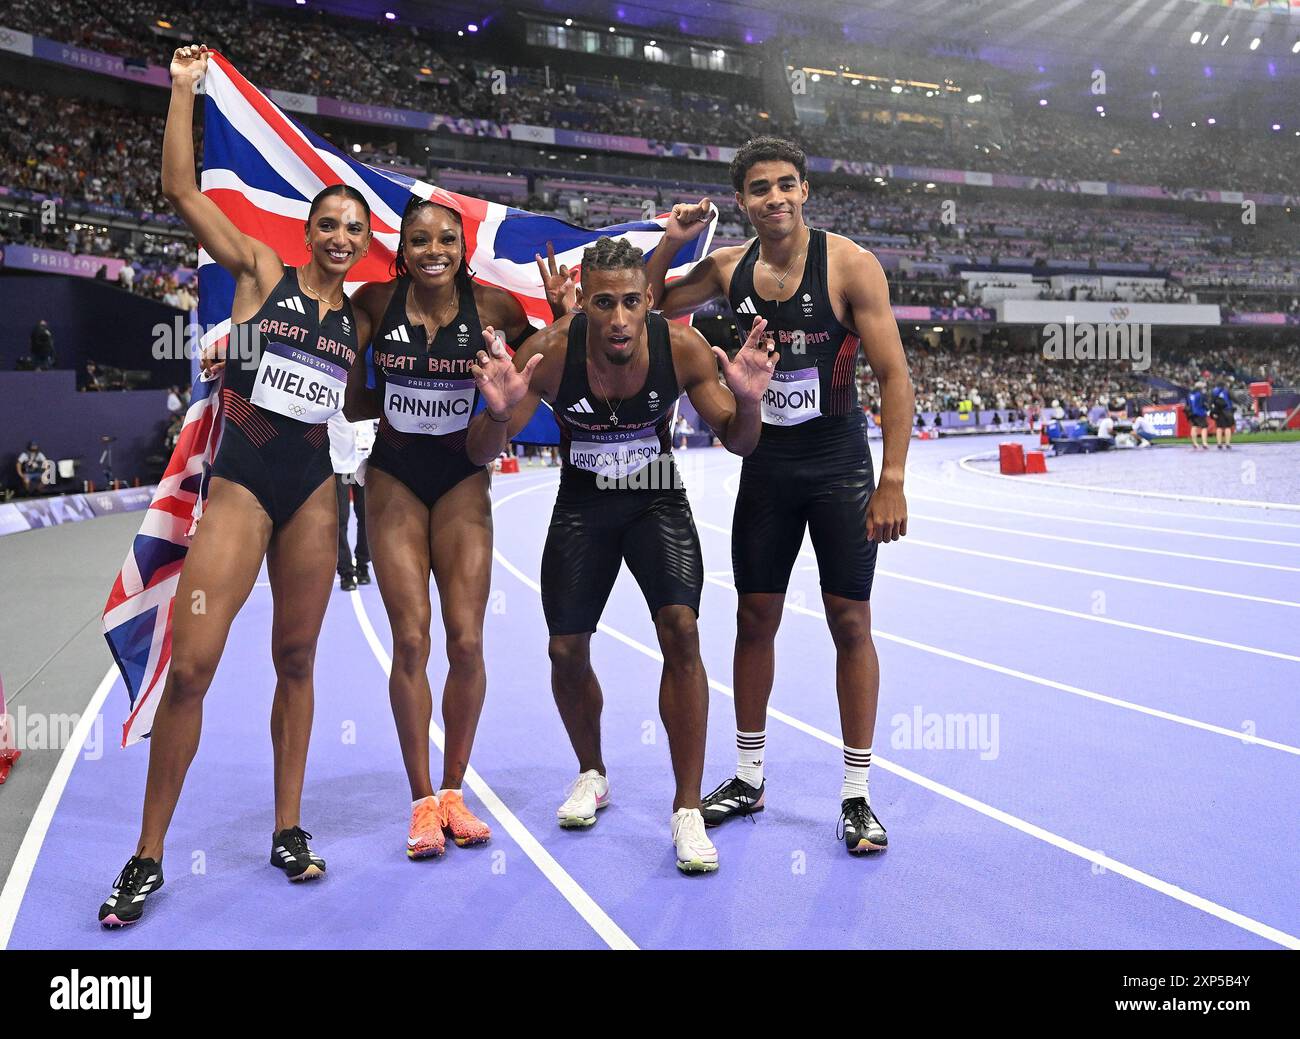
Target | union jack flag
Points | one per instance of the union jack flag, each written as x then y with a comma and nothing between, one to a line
262,169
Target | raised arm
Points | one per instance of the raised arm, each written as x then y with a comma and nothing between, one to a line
868,295
510,389
703,283
733,411
241,255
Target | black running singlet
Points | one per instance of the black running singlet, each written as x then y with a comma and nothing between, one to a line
286,361
815,377
594,447
428,389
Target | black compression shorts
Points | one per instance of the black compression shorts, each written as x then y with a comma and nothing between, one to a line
590,537
819,478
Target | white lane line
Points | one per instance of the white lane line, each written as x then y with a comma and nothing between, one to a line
912,540
599,921
1025,675
1102,544
969,487
1247,503
1091,618
20,874
1125,525
1138,876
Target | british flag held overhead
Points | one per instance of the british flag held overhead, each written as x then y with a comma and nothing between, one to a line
262,169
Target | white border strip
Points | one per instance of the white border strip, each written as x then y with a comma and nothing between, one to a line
988,455
20,874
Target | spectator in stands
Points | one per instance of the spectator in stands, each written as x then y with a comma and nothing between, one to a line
92,381
31,467
126,277
682,430
175,405
1106,428
42,344
173,434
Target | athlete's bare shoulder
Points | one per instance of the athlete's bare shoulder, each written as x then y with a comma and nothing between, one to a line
373,298
727,257
495,305
841,247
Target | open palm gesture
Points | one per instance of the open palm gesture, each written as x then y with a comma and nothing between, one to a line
499,384
748,375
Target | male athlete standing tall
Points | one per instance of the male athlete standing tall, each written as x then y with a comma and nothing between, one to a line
822,296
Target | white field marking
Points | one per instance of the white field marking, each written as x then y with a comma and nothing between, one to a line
600,922
1092,618
1059,610
1102,544
965,460
1104,523
1138,876
1088,694
1058,500
20,874
911,540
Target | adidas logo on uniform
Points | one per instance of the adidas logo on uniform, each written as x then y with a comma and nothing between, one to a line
292,303
399,335
582,407
747,307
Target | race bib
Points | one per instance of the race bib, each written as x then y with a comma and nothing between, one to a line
792,397
616,455
294,383
433,407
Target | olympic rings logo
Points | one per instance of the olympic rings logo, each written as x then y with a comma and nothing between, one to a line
297,409
428,427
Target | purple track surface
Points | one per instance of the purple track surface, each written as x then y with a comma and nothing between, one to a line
1130,781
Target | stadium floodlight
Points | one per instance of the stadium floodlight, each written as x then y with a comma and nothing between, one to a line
856,82
1042,101
1210,121
975,98
356,149
472,27
654,43
390,15
1101,108
1254,44
1277,126
1155,115
1196,37
896,89
816,77
568,22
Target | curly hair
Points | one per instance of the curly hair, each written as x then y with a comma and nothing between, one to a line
611,254
766,149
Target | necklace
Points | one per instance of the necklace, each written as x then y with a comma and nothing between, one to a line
613,412
780,278
332,304
452,305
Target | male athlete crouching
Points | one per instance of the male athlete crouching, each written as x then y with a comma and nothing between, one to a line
612,374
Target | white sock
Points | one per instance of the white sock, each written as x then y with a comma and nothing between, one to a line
449,791
856,763
749,756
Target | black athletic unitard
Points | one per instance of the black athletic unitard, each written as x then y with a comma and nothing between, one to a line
429,395
620,496
285,374
811,468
